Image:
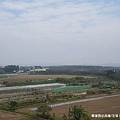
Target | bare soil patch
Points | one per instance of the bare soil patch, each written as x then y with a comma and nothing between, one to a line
34,77
103,106
21,78
5,115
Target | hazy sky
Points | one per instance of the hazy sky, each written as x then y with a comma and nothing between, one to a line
59,32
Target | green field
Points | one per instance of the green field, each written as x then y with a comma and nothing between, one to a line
71,88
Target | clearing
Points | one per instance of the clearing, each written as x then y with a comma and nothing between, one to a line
104,106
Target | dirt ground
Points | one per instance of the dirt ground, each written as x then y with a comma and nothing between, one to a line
37,77
103,106
6,115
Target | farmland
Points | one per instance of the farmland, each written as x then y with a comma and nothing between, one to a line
104,106
21,78
107,105
4,115
31,90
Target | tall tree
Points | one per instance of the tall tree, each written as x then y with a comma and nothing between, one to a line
11,68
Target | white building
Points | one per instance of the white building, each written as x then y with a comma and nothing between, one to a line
38,70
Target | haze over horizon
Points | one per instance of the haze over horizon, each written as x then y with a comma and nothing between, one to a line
64,32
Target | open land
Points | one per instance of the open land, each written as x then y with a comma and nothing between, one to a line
30,98
110,105
104,106
21,78
5,115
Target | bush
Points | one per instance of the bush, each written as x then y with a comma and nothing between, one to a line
46,116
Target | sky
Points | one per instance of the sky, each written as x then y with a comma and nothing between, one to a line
59,32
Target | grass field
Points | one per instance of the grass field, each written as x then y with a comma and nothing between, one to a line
38,77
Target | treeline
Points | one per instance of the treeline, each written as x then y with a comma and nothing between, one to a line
76,70
114,75
109,72
83,67
71,72
9,69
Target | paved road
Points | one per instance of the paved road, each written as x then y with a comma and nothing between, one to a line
78,101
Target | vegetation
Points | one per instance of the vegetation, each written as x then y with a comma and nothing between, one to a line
114,75
77,70
13,105
2,71
104,81
10,106
11,68
44,110
77,113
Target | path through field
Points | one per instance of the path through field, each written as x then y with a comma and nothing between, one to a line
100,105
79,101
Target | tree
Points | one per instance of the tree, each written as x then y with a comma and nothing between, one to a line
43,108
13,105
1,71
87,117
11,68
77,113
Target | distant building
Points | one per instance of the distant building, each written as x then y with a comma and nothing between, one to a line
21,71
38,70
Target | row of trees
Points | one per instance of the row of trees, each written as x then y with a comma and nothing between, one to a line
16,68
9,69
51,71
70,72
